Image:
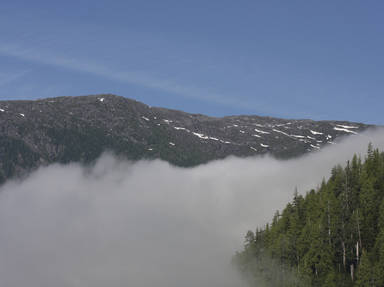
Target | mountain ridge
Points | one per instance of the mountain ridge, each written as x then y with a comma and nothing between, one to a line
80,129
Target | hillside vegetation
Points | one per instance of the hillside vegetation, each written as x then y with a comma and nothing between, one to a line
332,236
79,129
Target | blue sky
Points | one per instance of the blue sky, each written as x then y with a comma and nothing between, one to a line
291,59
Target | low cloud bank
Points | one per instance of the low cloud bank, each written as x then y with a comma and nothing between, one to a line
148,223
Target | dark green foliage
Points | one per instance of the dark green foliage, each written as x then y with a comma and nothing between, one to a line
334,236
75,145
365,275
14,152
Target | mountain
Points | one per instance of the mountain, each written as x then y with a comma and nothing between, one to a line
79,129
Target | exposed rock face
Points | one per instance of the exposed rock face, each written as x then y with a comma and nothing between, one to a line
79,129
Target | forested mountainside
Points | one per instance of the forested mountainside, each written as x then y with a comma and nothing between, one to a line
332,236
80,129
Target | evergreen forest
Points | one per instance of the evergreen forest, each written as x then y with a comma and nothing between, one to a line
332,236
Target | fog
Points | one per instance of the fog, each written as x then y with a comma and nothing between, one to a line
148,223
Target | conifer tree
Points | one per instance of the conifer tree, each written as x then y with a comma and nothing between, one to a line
319,238
365,272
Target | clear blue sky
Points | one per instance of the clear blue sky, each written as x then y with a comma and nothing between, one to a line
292,59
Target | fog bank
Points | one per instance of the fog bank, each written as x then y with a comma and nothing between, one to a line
148,223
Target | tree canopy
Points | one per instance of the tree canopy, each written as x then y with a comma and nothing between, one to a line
332,236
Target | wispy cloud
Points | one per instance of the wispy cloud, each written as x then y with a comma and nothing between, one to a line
126,76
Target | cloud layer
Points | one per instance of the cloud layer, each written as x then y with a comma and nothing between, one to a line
148,223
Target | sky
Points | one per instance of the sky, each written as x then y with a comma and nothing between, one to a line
293,59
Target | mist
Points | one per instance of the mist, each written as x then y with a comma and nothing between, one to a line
148,223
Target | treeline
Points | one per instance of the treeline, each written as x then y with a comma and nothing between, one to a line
333,236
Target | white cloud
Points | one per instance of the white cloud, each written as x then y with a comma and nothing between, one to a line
147,223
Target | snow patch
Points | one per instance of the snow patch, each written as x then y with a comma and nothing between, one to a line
145,118
252,148
344,130
1,110
22,115
171,143
282,132
168,121
347,127
315,132
181,128
262,132
204,137
264,145
315,146
256,136
101,99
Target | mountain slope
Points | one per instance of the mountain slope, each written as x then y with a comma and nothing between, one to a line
79,129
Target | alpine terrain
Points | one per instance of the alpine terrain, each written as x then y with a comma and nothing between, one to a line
80,129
